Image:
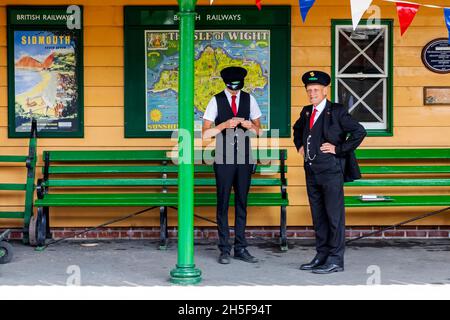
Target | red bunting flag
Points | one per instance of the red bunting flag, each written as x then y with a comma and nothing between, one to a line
406,13
258,4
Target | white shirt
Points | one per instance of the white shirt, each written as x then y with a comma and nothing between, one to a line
320,107
211,112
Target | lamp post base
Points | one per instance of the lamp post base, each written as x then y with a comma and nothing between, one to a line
185,275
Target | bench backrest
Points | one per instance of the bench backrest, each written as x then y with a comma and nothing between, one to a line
428,173
94,164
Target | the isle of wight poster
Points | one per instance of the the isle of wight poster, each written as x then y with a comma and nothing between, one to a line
214,50
46,86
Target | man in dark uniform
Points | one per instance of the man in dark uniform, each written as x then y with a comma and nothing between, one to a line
235,114
326,136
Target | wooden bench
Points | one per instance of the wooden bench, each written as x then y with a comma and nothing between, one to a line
421,171
74,175
29,162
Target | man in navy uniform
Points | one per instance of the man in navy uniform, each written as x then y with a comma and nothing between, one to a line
326,136
235,114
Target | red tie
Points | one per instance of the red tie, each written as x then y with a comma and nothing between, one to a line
233,105
311,120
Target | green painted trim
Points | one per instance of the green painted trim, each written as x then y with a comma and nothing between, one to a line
389,132
142,182
399,183
399,154
152,199
404,169
12,215
156,16
400,201
12,187
13,159
266,169
79,52
143,155
35,10
30,186
108,155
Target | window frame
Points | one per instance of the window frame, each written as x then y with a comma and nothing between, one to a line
389,65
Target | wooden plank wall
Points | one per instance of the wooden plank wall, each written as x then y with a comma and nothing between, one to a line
415,125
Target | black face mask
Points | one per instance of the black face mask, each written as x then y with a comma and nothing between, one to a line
235,85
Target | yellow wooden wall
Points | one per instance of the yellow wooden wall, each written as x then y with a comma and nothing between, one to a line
415,125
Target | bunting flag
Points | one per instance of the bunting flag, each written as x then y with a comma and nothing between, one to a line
359,7
258,4
305,5
406,13
447,21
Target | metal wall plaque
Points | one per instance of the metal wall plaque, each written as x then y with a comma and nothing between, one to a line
436,56
436,96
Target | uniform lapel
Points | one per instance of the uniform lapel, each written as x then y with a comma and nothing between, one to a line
326,119
308,117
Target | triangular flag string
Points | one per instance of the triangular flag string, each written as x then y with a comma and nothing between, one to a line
406,10
406,13
417,4
358,7
305,5
447,21
258,4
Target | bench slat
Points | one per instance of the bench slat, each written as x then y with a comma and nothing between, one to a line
110,155
145,182
143,169
401,201
13,158
152,199
11,215
404,169
138,155
13,186
399,183
402,154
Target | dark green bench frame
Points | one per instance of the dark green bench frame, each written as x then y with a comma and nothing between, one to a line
28,187
162,200
416,176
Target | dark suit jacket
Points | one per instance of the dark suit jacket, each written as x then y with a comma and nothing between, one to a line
339,129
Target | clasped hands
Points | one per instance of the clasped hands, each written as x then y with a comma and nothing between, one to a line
234,122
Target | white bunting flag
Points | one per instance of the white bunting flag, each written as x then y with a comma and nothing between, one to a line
359,7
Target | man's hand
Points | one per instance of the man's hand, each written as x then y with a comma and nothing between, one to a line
247,124
328,148
230,124
301,151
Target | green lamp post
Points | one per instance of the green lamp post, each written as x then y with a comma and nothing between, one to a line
185,272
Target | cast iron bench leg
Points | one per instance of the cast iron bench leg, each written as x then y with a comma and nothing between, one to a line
47,215
283,236
163,228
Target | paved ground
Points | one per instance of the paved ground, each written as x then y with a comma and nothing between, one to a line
139,263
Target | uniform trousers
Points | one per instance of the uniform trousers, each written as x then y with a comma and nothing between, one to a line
238,177
326,199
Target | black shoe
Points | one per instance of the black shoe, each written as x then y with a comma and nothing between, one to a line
224,258
315,263
328,268
244,255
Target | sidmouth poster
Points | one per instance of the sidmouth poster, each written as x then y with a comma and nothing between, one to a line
214,50
45,81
